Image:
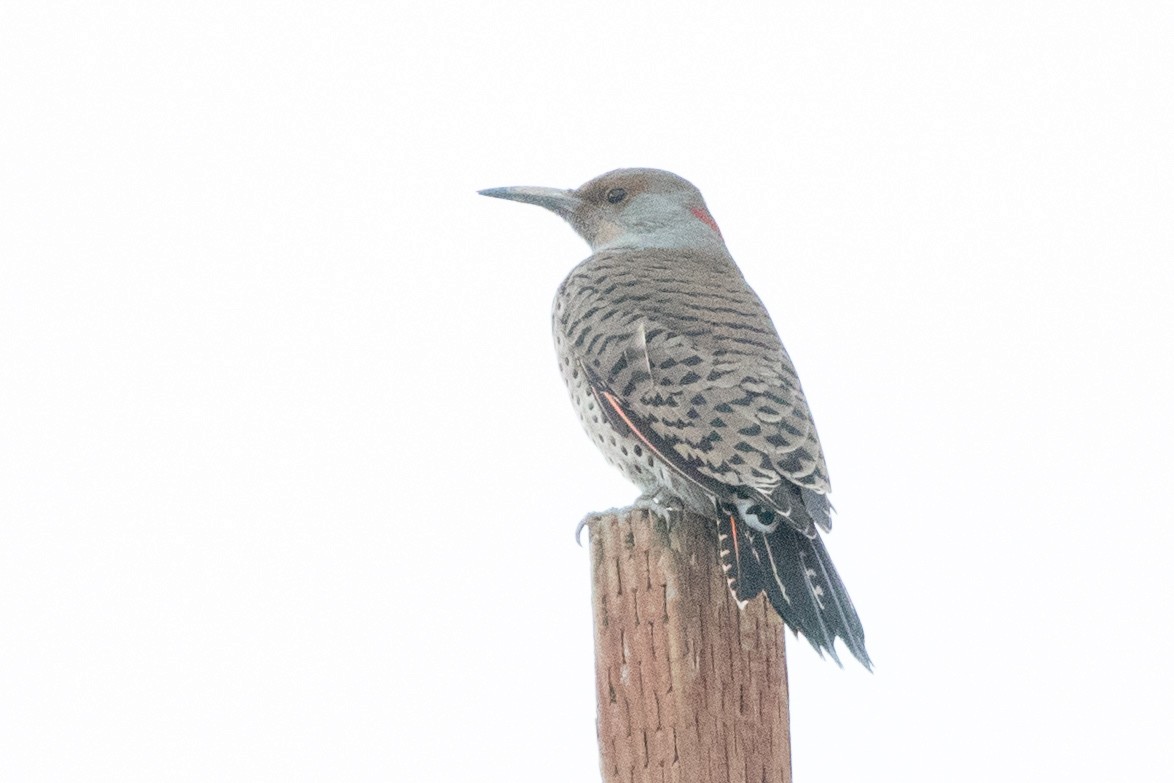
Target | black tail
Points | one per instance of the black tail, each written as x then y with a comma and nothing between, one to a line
797,575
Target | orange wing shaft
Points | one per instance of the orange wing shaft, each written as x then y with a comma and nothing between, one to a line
619,409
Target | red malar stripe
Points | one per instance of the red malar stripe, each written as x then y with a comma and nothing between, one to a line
706,218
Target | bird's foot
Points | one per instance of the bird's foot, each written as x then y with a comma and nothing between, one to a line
661,502
592,517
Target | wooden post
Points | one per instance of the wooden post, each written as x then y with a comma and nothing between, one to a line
689,688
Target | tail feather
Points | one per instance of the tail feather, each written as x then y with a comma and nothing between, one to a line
797,575
739,558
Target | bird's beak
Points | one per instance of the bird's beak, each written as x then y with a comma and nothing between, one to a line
561,202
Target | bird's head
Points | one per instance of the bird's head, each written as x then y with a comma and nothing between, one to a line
628,208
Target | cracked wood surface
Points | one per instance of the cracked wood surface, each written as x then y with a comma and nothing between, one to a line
688,687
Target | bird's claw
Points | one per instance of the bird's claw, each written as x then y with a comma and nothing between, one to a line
584,522
593,516
660,502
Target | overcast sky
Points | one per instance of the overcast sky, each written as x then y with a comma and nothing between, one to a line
288,478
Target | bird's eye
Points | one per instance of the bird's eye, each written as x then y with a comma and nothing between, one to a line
616,195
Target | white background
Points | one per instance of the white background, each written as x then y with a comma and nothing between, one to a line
287,475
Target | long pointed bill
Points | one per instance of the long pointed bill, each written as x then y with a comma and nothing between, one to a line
561,202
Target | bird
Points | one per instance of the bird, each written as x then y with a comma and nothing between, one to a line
680,378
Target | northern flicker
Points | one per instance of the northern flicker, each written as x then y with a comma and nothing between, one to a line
678,375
